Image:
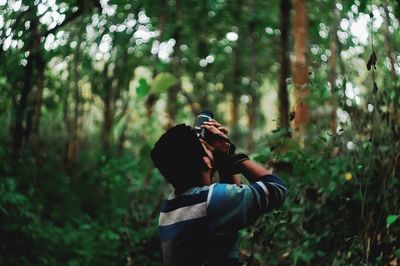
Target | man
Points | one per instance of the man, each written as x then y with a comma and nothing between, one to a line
199,223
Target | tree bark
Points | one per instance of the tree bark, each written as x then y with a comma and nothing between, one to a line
73,123
332,74
300,71
236,71
40,66
172,105
153,97
112,89
107,111
285,7
20,124
253,102
391,55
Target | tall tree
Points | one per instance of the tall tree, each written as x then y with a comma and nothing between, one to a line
26,117
391,56
300,69
253,90
285,7
162,23
332,69
176,58
72,145
236,69
19,128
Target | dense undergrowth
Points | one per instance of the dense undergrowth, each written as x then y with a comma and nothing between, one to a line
342,207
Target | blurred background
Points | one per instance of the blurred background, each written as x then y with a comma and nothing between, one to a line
310,88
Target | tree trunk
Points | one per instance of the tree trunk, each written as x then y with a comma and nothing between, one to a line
332,72
172,105
40,66
73,122
122,82
236,72
285,7
162,19
391,56
253,102
300,71
112,90
19,129
33,114
153,97
202,48
107,111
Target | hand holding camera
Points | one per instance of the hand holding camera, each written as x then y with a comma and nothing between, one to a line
214,135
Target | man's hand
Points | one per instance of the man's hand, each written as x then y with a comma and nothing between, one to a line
221,147
220,143
228,162
218,126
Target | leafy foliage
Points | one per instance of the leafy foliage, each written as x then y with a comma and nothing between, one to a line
86,88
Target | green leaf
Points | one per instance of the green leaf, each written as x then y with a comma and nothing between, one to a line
3,81
397,253
162,82
261,158
109,235
391,219
73,263
143,88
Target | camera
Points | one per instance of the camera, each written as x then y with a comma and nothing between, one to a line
202,117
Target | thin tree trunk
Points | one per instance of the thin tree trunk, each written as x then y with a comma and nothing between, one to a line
40,66
300,71
202,48
391,56
107,111
152,97
19,130
122,139
253,102
162,19
332,72
69,149
33,115
174,90
285,7
236,71
73,122
124,114
112,90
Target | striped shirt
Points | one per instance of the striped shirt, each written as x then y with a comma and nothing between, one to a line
200,227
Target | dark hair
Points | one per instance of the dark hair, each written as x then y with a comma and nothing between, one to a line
178,155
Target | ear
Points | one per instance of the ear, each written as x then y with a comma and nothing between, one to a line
207,161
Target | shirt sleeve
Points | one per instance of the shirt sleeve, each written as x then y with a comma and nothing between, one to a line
232,207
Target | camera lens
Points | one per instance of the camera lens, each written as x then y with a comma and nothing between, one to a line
202,117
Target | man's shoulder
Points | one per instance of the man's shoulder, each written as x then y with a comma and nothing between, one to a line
221,194
182,212
190,197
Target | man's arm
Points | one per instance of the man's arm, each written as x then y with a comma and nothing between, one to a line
235,207
231,207
232,163
252,171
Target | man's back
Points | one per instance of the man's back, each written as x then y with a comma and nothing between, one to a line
200,227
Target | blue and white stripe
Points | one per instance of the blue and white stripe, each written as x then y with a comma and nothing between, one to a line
218,210
182,212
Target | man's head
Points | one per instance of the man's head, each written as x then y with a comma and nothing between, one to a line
181,158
